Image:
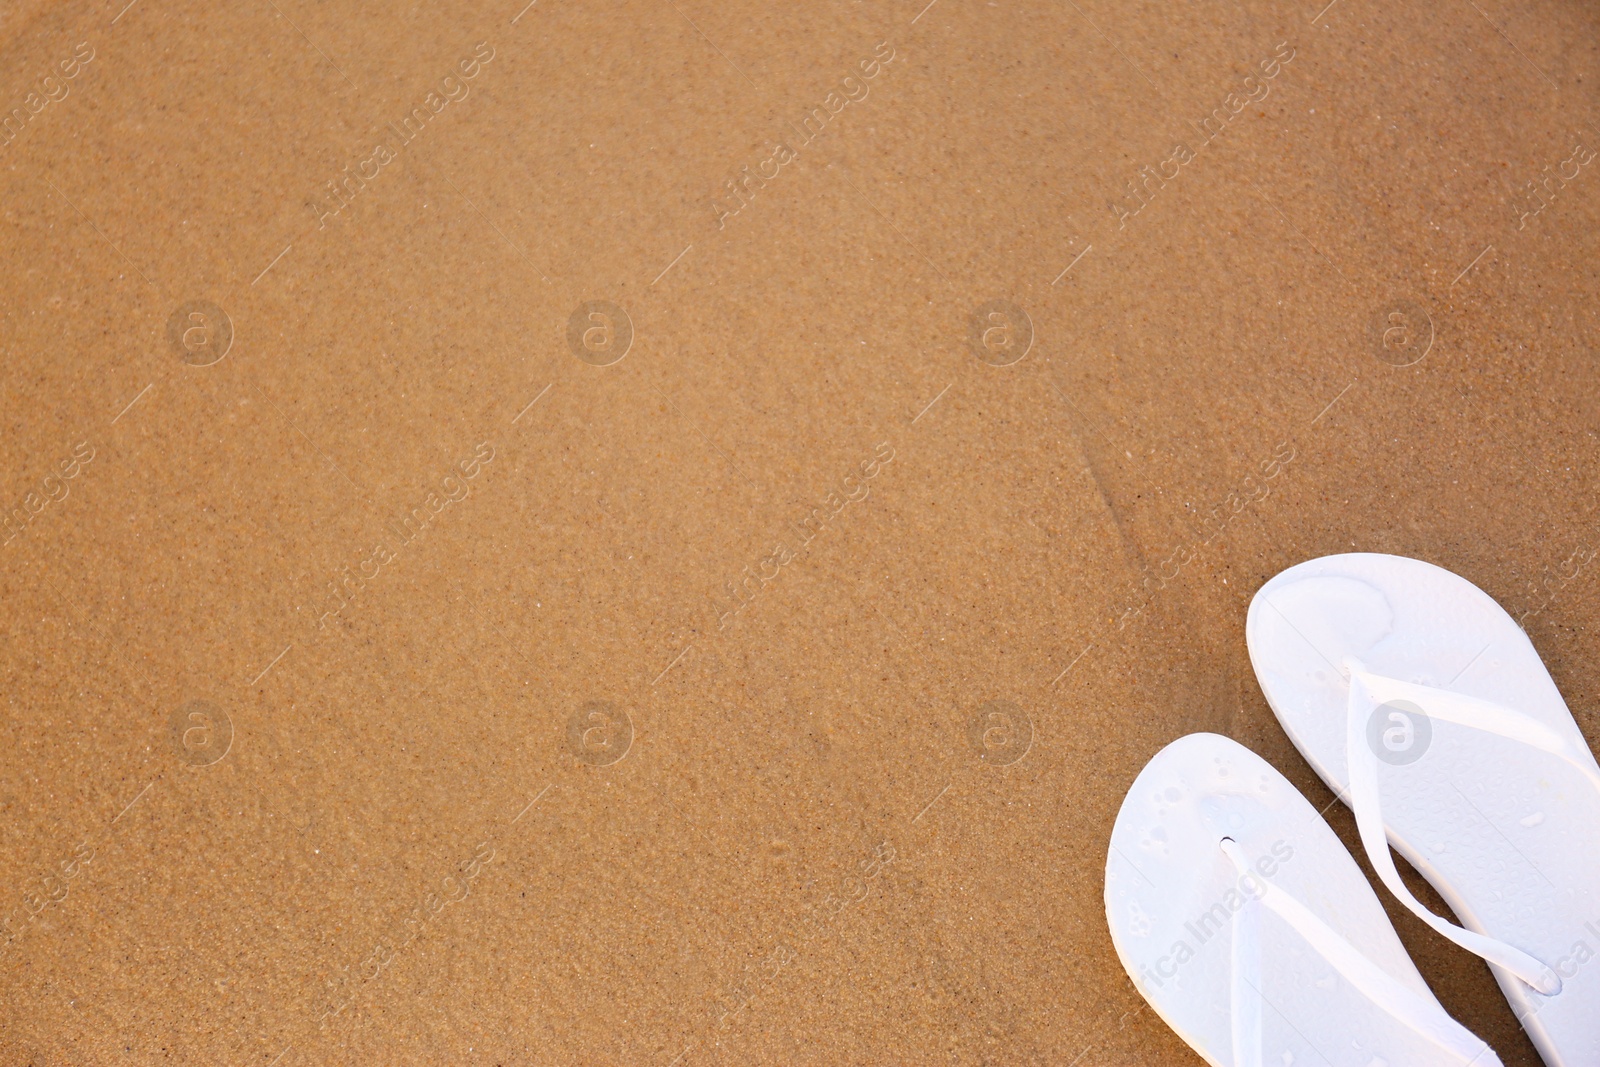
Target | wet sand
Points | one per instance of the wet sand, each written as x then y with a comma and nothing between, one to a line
661,534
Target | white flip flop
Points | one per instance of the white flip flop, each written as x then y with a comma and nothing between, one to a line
1244,922
1427,709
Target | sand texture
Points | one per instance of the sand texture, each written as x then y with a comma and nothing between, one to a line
661,533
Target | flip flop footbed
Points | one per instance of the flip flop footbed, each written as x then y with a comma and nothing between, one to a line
1509,835
1173,899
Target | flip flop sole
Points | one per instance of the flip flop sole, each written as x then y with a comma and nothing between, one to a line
1507,834
1172,897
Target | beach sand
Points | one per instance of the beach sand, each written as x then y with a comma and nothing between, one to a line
661,533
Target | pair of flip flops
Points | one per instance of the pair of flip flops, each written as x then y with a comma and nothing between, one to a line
1249,928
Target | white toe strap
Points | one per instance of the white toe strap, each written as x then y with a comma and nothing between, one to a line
1370,691
1420,1014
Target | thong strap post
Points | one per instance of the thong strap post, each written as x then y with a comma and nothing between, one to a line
1369,692
1418,1013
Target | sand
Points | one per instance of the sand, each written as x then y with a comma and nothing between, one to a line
661,533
